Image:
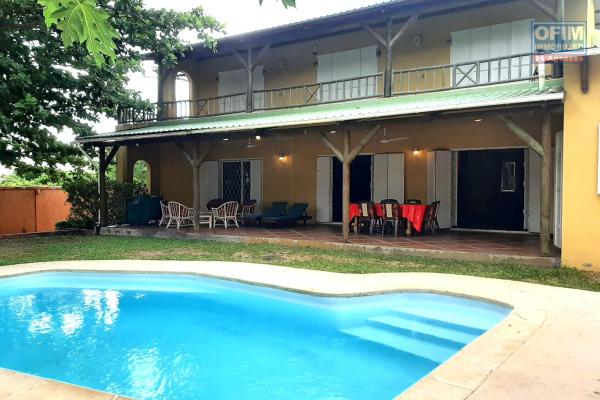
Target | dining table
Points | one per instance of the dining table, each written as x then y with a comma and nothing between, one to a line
413,213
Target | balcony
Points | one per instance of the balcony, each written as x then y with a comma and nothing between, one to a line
492,71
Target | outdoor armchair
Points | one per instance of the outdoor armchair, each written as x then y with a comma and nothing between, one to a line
180,214
225,214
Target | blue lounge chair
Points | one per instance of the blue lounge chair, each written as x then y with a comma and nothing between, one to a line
277,209
294,214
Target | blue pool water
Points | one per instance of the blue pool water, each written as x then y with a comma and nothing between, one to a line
179,337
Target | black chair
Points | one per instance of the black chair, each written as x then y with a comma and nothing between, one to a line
389,201
412,201
430,222
391,216
367,216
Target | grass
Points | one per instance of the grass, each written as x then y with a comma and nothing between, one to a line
27,250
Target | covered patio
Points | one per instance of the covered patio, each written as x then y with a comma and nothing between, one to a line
460,245
291,155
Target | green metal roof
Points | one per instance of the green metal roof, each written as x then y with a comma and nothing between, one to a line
443,101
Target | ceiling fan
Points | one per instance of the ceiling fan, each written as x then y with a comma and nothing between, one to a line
385,139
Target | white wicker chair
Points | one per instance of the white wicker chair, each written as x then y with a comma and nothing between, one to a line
180,214
225,213
166,215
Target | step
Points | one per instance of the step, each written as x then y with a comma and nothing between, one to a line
451,319
429,350
425,329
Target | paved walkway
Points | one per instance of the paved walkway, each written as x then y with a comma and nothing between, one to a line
476,246
546,349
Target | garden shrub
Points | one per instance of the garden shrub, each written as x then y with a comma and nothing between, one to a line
85,200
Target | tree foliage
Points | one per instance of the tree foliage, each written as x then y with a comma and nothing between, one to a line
47,84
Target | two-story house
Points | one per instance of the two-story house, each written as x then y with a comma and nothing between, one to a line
437,100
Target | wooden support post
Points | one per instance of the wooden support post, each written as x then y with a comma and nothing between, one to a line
523,135
104,161
196,159
545,221
346,156
102,217
346,187
388,44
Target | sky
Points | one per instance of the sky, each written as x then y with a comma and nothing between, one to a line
239,16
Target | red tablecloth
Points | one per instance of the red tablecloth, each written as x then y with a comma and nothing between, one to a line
415,213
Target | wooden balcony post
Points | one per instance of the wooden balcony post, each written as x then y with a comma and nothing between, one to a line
250,64
249,90
160,98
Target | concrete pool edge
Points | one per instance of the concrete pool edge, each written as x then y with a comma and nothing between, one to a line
468,374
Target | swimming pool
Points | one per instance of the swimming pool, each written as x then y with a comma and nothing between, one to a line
182,337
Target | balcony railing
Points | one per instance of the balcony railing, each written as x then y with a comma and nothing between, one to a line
407,81
476,73
320,93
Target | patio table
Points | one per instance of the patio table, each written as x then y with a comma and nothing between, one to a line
413,213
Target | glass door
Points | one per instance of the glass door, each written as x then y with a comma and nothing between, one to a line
236,182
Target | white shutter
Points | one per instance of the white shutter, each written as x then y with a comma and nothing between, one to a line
534,189
520,43
558,185
324,170
347,65
396,177
256,183
461,47
325,74
501,40
380,177
209,182
439,184
499,47
235,82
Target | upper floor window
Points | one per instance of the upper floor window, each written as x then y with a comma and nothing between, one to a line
506,46
347,74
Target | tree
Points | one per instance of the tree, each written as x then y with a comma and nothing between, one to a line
47,84
83,22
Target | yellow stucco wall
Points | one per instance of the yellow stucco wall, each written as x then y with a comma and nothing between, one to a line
581,208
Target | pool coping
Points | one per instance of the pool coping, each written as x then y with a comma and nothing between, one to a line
482,369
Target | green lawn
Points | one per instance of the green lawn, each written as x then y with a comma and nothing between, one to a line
105,247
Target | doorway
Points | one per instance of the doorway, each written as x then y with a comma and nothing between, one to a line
236,181
491,193
360,183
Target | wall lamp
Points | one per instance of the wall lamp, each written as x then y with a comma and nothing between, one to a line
282,157
416,152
